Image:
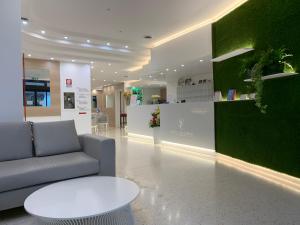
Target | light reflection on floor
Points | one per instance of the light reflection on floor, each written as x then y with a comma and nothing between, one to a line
186,190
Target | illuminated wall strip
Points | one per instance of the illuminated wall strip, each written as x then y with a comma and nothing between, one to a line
192,28
281,179
140,136
189,147
284,180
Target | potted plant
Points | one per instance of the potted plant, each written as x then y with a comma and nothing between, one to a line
264,63
155,124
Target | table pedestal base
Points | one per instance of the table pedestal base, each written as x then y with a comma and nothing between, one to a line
122,216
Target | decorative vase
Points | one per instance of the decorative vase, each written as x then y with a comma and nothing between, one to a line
156,135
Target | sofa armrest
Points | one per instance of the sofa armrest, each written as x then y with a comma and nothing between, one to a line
103,149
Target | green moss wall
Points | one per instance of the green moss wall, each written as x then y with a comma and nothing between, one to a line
273,139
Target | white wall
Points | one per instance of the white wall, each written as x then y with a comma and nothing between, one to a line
81,77
11,89
192,46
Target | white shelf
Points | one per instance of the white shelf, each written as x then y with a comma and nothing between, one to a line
232,54
273,76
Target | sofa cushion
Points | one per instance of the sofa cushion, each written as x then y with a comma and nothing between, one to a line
39,170
54,138
15,141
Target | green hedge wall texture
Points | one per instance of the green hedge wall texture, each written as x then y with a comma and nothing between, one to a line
271,140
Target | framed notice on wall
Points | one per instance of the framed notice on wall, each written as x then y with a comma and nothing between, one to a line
69,82
69,100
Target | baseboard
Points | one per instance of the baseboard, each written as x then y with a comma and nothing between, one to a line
284,180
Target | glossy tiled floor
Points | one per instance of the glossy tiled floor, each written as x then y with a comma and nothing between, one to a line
177,189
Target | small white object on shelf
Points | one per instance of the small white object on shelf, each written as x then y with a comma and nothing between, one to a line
273,76
218,96
244,97
232,54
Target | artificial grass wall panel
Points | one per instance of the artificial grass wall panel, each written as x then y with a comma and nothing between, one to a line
271,140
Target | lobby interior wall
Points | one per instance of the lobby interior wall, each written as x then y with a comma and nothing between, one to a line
271,140
80,74
54,73
11,87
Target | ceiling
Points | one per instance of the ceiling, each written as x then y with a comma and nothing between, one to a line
109,33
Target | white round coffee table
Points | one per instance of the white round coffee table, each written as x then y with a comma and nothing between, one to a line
85,201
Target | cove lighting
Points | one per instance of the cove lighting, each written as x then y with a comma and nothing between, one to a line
212,19
136,68
278,178
232,54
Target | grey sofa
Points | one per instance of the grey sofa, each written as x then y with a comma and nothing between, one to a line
33,155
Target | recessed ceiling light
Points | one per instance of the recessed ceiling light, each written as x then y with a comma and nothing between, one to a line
182,65
167,69
73,60
102,71
109,64
88,41
161,73
126,46
52,58
92,67
201,60
150,76
104,80
116,72
175,70
66,38
92,62
108,44
94,79
114,80
43,32
29,55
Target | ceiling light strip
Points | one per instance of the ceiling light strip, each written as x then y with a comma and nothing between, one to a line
201,24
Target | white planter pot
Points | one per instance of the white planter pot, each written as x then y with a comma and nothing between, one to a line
156,135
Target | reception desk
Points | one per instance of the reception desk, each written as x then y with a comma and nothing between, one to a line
189,124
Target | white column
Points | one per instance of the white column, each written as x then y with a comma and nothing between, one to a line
11,88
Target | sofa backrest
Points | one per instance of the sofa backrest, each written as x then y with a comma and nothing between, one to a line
15,141
52,138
